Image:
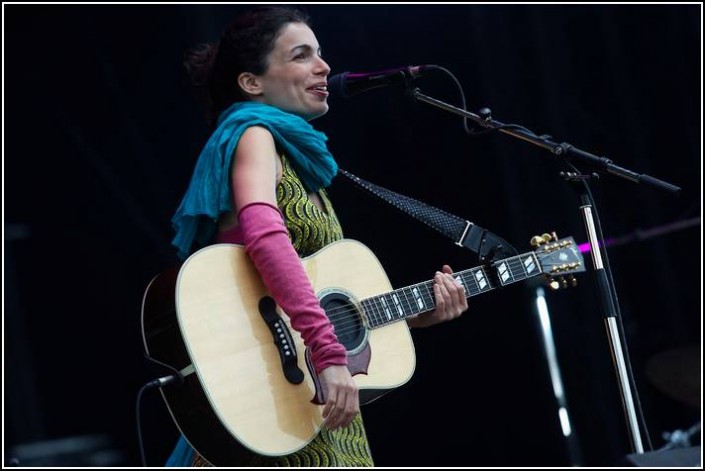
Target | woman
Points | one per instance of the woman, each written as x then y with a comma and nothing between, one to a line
262,177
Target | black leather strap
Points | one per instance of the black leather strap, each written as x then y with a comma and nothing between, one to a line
487,245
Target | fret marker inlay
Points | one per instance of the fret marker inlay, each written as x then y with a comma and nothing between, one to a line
480,277
397,304
386,309
419,299
503,272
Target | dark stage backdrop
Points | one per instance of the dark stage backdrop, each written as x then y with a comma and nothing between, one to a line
101,135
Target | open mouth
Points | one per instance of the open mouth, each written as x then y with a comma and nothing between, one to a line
319,90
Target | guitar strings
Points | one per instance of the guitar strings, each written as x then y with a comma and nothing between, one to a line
376,310
377,307
514,264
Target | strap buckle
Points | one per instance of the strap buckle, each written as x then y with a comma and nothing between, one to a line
460,241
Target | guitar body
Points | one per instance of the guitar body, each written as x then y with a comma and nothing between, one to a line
238,393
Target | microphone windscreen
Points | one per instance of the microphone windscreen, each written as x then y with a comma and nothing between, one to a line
337,84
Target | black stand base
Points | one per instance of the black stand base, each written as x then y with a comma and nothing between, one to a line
677,457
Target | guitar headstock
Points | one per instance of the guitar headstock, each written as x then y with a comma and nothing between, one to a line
559,259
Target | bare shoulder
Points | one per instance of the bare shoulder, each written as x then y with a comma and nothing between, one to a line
256,148
257,168
256,139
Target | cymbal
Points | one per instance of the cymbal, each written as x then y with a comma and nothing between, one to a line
677,373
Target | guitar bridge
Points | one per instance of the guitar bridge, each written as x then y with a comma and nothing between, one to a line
282,340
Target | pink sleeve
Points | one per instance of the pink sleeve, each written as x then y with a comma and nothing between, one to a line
267,243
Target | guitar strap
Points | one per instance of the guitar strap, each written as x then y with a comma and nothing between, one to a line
487,245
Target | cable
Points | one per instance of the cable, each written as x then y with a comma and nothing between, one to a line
161,363
139,426
159,382
484,111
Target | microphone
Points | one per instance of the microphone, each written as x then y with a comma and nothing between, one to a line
348,84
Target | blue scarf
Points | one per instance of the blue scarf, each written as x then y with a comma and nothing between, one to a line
209,193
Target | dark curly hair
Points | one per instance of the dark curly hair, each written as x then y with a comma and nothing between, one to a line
243,47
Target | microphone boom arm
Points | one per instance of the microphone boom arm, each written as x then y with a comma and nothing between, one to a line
563,150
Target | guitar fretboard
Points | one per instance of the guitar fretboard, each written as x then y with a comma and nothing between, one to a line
406,302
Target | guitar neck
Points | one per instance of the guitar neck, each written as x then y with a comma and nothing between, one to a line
409,301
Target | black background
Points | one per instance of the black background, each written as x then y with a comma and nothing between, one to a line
101,135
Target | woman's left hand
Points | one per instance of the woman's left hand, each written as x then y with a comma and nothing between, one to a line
450,301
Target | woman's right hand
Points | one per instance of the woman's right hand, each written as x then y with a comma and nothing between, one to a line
342,397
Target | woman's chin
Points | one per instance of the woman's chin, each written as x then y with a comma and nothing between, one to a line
315,112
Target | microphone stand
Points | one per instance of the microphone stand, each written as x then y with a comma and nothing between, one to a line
602,277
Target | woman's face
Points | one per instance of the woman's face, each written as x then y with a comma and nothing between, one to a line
295,80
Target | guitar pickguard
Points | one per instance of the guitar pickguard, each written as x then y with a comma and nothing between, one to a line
357,364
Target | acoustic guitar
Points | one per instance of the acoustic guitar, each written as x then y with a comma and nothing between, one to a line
246,376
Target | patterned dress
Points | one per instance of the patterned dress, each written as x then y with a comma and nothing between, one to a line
312,228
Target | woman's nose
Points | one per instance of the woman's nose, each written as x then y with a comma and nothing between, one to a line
322,67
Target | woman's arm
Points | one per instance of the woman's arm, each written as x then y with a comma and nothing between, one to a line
256,171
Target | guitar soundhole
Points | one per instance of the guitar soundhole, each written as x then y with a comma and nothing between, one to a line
346,319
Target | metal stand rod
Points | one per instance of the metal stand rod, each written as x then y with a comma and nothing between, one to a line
612,331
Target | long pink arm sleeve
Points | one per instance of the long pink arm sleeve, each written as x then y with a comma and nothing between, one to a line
267,243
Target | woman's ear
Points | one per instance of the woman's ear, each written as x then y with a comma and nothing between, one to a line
249,83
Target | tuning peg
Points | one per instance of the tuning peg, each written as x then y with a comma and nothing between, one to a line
548,237
536,241
554,285
573,281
